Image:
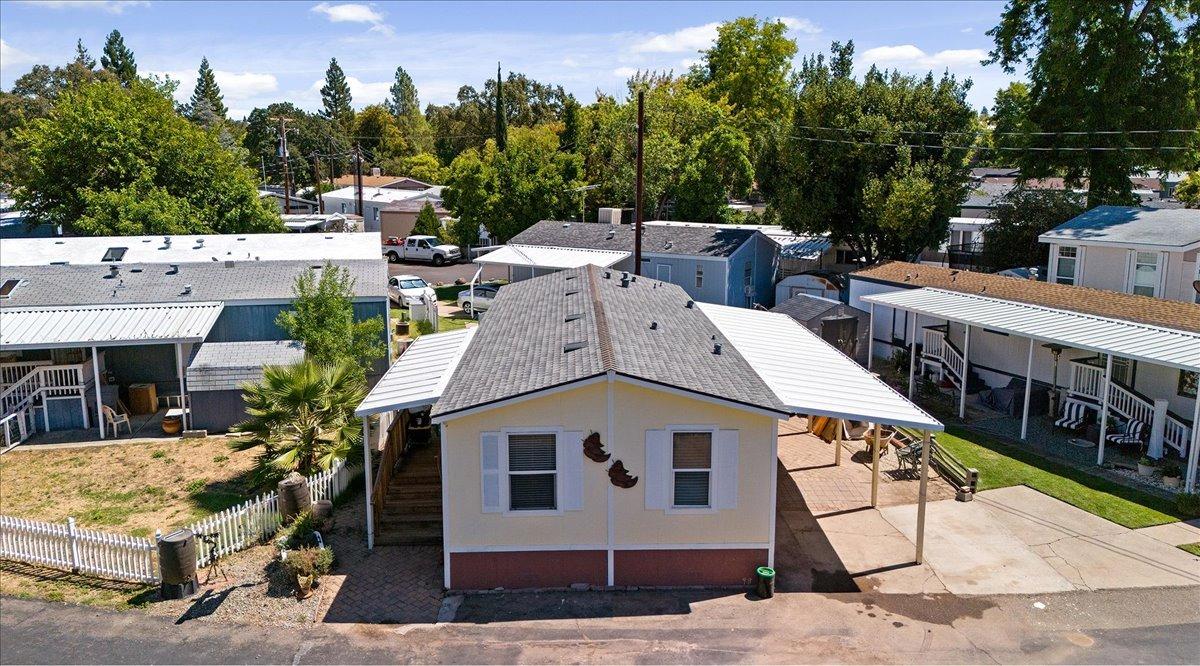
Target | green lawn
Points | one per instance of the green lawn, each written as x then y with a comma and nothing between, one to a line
1193,548
1001,465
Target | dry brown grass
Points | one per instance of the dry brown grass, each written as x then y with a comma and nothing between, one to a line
128,488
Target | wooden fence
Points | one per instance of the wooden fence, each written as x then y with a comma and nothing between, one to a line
123,557
84,551
246,524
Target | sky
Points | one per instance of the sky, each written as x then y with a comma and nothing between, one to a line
265,52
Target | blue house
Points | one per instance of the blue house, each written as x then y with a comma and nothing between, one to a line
713,264
145,324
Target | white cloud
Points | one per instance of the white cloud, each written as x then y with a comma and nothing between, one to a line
11,55
362,92
242,85
349,13
695,38
908,56
110,6
967,29
624,72
570,62
800,25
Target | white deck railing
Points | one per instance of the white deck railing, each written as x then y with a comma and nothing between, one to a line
1087,381
59,546
938,348
46,381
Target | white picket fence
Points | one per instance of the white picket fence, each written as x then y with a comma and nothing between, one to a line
77,549
247,524
123,557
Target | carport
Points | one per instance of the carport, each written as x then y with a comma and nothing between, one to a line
526,261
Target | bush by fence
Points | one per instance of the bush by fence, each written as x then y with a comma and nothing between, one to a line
123,557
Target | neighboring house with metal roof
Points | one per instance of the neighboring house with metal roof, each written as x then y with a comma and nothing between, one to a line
1120,355
133,310
1130,249
606,429
723,264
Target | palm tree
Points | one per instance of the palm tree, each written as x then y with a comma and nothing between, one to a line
303,417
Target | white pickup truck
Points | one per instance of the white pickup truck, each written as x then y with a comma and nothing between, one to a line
420,248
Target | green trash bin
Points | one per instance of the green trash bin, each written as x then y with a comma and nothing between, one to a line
765,587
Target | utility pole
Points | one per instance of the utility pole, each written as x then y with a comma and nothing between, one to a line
283,156
638,214
358,183
316,164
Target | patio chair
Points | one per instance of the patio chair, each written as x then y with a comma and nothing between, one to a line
1133,433
115,419
1074,415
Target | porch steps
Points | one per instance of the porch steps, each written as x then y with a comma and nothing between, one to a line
412,513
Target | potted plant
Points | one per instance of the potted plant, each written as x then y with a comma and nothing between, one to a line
1170,475
305,566
1146,466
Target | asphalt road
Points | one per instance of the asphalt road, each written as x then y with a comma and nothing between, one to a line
446,274
1141,626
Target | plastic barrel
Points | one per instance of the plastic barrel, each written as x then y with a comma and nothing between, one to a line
765,587
294,497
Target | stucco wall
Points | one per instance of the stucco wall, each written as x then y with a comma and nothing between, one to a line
635,411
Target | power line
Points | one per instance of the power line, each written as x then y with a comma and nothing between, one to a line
864,130
989,148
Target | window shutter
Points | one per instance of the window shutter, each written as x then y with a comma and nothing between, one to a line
570,471
658,469
725,470
489,465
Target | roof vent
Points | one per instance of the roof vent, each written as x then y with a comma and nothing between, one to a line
187,289
166,241
571,293
200,242
574,316
668,245
607,275
612,233
174,269
566,225
114,271
573,346
717,348
654,326
690,304
230,264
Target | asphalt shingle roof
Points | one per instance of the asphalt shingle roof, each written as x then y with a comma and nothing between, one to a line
1130,225
222,366
160,283
804,308
644,330
661,239
1142,309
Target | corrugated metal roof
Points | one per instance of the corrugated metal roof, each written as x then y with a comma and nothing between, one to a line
551,257
106,325
808,248
1142,342
190,248
808,374
419,376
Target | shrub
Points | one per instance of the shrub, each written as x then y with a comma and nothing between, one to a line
1171,469
1147,461
299,534
308,561
1188,504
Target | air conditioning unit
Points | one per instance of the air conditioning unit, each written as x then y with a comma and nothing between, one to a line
609,216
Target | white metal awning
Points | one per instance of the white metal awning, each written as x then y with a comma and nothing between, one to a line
538,256
106,325
808,374
419,376
1142,342
805,248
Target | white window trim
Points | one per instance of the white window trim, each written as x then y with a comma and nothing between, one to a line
1077,278
692,510
1160,272
699,275
505,499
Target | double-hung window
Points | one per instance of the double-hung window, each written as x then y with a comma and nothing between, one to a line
532,472
699,276
691,469
1145,274
1066,265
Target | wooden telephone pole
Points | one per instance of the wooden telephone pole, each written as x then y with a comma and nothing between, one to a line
283,156
316,165
638,213
358,195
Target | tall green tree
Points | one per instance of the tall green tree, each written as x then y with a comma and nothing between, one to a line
302,416
82,57
111,160
206,97
1188,190
376,131
1010,117
118,59
882,201
1104,66
322,317
427,223
750,67
572,132
509,191
1021,216
501,114
335,97
402,100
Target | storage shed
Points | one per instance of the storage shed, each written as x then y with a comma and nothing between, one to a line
218,370
838,324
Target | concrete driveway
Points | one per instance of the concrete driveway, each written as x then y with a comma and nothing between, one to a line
1007,541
